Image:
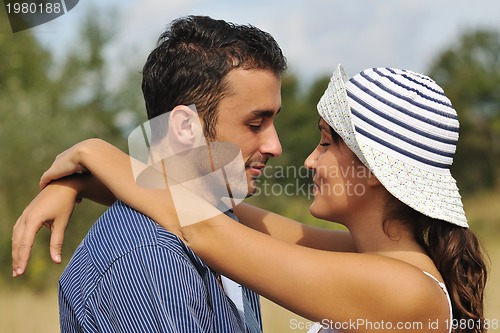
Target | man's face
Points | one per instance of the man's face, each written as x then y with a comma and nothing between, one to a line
246,118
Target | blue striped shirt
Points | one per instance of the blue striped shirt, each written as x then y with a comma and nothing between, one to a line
131,275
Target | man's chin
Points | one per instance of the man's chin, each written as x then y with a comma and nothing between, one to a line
252,187
251,191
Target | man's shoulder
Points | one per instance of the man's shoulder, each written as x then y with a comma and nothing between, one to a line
124,240
121,230
123,225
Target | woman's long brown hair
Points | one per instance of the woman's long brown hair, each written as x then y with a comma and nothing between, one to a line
459,257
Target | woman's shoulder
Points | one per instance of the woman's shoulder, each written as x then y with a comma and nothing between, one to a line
383,287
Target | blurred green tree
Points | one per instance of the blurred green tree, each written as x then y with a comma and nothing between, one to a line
469,72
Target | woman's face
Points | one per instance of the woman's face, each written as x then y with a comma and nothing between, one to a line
339,178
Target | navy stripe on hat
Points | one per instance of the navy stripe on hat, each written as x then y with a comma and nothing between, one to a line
422,84
402,137
425,94
389,110
401,151
434,123
400,123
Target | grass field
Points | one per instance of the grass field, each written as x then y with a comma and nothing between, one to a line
24,311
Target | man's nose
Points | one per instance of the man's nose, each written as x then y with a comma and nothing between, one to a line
271,144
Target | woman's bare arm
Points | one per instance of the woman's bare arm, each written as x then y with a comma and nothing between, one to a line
107,172
291,231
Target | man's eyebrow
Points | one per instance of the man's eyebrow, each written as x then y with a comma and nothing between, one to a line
265,113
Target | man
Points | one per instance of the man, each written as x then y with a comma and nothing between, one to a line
131,275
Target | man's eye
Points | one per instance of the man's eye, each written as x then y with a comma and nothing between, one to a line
255,127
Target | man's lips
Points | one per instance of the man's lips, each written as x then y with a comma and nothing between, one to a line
255,169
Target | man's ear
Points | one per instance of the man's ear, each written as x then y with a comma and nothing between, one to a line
184,126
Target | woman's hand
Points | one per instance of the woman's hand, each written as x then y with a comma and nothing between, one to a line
62,185
52,208
66,163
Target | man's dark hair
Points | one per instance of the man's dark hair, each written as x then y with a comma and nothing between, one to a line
193,57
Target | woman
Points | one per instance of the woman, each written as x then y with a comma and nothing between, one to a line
408,262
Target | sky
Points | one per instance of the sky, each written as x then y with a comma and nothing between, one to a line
315,35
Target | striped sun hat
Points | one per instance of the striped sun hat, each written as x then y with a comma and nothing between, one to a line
405,130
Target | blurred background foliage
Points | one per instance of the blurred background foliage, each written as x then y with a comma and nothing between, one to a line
47,104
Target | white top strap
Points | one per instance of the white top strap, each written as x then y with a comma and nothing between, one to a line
443,287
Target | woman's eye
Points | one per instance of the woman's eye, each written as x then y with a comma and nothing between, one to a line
324,144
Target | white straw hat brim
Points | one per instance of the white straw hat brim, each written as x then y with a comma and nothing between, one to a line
434,195
429,190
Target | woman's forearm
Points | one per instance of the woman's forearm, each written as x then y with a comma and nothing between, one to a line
113,169
89,187
291,231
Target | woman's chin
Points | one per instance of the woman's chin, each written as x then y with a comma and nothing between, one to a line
316,211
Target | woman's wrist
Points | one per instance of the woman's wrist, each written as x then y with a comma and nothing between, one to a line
75,185
86,153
